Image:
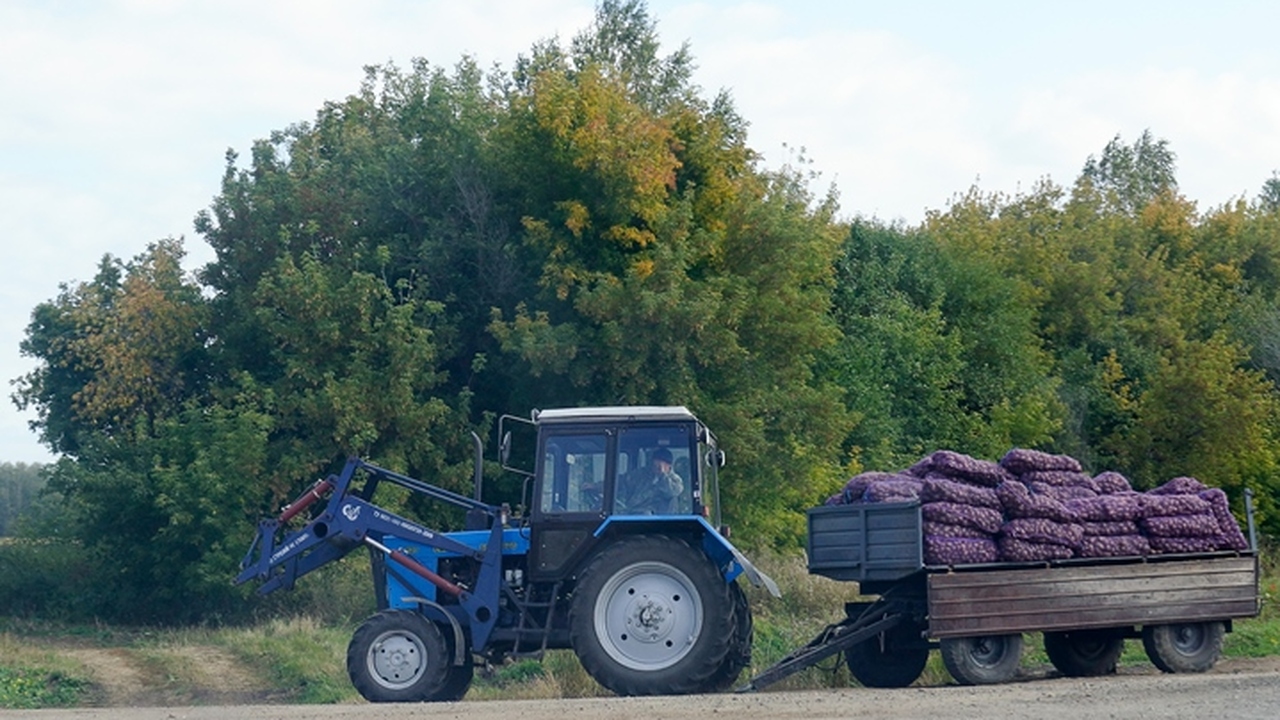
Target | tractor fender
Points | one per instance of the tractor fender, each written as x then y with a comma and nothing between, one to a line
459,642
730,561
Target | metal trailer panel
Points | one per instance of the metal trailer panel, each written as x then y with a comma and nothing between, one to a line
862,542
1170,590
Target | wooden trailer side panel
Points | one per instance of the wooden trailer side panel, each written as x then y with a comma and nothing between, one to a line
997,602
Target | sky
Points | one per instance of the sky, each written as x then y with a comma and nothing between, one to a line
116,115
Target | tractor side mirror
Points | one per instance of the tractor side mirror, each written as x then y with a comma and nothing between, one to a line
504,448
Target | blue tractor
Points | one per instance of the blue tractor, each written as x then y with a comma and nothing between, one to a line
621,557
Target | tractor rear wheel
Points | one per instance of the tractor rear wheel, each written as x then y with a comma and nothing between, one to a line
651,616
739,656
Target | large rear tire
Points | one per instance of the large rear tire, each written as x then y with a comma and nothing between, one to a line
398,656
1083,653
983,660
1184,647
651,616
892,659
739,656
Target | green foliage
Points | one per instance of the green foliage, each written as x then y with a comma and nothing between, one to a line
21,487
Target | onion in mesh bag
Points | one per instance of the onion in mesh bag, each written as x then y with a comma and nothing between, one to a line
940,529
1058,478
1107,507
1042,530
1019,502
1021,460
1230,537
959,551
1061,494
1015,550
892,490
937,489
959,465
1182,544
1180,486
1096,546
984,519
1110,528
1181,526
1111,483
1156,505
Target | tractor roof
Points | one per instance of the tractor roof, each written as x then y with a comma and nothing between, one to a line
624,413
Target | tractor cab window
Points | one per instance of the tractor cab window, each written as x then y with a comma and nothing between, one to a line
573,473
655,471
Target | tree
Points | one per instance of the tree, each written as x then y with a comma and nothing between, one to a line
1269,198
1130,176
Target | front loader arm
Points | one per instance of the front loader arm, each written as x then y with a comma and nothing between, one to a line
277,558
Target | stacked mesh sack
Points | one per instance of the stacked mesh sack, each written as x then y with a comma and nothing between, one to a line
1035,506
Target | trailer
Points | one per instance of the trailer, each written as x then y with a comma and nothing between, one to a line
1180,606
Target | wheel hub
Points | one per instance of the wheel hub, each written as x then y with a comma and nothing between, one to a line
397,660
648,616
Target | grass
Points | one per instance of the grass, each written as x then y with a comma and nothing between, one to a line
31,677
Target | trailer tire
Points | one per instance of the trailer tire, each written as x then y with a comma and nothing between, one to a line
1083,653
651,615
1183,647
984,660
892,659
399,656
739,656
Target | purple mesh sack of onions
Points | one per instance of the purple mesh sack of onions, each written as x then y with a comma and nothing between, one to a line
938,489
1042,530
1061,494
1181,526
961,466
1157,505
984,519
1107,507
1182,545
1111,483
1015,550
1021,460
895,490
1230,536
1058,478
959,551
940,529
857,485
1110,528
1020,503
1097,546
1180,486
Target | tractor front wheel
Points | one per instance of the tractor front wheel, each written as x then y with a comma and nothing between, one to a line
400,656
652,616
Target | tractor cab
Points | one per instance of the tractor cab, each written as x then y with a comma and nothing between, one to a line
594,466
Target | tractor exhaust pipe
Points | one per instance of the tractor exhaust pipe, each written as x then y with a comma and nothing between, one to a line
479,446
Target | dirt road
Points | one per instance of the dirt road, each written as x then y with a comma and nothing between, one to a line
1235,689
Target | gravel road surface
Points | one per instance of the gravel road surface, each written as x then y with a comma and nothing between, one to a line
1235,689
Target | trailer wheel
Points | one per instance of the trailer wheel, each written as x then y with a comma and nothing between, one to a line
739,656
982,660
398,656
1183,647
892,659
1083,653
651,615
